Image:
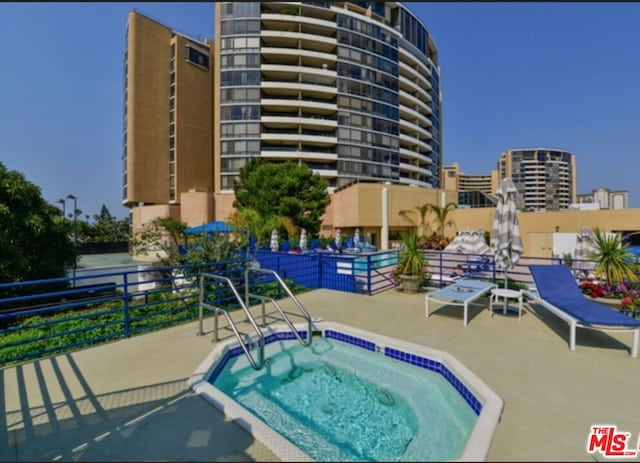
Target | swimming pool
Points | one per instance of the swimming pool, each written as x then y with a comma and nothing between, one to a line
352,395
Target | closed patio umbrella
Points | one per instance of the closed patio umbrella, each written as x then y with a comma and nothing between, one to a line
303,239
356,238
506,241
585,246
274,241
338,238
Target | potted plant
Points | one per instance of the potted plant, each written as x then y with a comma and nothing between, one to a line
410,270
613,260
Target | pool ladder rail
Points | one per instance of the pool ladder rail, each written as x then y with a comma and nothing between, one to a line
285,315
258,363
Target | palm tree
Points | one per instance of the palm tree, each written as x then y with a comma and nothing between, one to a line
613,259
422,213
441,217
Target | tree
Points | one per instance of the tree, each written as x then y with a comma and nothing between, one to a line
259,227
35,241
441,214
282,190
422,225
106,229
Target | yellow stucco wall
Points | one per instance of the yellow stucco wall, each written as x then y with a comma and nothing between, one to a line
360,206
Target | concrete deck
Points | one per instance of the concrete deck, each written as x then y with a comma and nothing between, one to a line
128,400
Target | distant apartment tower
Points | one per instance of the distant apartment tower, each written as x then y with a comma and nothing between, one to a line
545,178
473,190
605,198
167,125
352,89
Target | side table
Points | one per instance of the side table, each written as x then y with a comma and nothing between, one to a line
505,294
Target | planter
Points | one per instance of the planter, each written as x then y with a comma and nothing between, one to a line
410,283
614,303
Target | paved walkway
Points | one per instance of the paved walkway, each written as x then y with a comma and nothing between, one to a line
128,400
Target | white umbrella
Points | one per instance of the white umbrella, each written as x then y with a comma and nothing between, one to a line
585,246
506,241
338,239
303,239
356,238
469,241
274,241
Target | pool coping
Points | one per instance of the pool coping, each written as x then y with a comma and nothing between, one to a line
480,439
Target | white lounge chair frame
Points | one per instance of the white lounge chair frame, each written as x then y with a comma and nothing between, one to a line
574,323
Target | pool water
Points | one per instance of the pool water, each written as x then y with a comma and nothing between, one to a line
339,402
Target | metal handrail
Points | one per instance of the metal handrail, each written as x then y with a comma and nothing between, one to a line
283,314
217,310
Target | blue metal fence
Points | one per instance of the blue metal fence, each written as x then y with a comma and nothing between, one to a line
45,317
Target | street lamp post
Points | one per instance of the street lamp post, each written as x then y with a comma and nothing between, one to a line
64,210
75,234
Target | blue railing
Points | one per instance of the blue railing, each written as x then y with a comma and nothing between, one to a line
45,317
42,317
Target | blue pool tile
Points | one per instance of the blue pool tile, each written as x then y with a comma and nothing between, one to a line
437,367
350,339
220,365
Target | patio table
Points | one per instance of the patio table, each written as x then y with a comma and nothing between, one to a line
461,293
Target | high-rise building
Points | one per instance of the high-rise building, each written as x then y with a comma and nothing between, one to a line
167,139
545,178
351,89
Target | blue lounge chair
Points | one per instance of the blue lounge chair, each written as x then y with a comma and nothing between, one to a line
558,292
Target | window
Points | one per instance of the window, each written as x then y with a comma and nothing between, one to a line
197,57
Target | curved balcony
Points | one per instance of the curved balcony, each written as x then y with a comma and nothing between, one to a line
306,91
404,56
289,39
274,21
276,54
278,153
409,140
414,90
307,123
408,154
420,170
302,74
409,127
411,115
411,101
277,103
309,139
414,76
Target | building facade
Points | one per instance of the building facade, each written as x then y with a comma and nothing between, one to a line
350,89
167,126
545,178
473,190
605,198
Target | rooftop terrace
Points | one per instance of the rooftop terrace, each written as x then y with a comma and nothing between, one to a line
129,400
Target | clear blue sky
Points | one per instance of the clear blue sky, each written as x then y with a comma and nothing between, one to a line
514,75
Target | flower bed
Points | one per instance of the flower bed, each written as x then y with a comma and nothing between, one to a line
626,295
